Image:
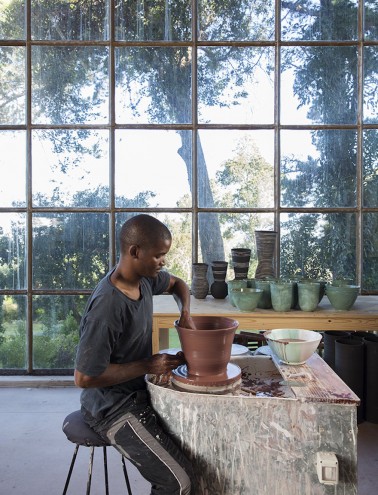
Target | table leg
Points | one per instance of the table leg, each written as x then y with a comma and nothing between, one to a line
155,336
163,338
160,337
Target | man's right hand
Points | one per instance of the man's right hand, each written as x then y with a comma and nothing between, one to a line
159,364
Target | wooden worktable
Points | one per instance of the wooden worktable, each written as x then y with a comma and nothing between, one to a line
362,316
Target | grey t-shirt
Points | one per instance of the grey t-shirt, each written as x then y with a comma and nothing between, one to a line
115,329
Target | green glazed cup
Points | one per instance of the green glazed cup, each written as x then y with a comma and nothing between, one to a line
265,301
235,284
308,295
282,294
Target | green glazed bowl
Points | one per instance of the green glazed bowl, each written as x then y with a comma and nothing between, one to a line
246,299
342,297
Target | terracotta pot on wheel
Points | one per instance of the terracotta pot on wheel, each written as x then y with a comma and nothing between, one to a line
207,348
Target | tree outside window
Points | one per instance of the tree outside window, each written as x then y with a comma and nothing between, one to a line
217,117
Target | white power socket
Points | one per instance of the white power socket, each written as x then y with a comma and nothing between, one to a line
327,467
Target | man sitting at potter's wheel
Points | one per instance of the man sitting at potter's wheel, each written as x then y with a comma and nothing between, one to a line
115,353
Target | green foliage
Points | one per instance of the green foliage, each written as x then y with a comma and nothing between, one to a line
179,259
2,327
53,347
55,351
13,349
245,181
324,245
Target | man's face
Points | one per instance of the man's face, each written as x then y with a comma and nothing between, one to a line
152,259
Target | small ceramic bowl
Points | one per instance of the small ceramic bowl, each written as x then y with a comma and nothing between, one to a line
246,299
235,284
342,297
292,345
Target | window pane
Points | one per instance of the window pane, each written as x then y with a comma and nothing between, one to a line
12,158
153,175
179,258
318,245
319,85
235,169
12,87
314,164
236,20
153,20
317,20
235,85
371,19
371,84
70,251
153,85
12,251
370,251
69,20
70,168
12,20
218,233
370,168
56,321
69,85
13,354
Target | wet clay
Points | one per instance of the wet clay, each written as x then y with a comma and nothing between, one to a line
207,349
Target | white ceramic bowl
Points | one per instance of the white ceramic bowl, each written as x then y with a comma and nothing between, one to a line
292,345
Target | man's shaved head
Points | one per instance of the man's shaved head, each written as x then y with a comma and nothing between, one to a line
144,231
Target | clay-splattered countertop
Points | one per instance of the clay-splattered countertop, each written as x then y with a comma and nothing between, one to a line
315,381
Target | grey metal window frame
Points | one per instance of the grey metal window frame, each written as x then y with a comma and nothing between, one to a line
194,127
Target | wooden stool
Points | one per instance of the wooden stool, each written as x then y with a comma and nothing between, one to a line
77,431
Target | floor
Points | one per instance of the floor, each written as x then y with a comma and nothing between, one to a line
35,455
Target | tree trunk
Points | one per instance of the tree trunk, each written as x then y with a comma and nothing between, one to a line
211,242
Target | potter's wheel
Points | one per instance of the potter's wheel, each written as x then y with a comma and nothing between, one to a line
211,384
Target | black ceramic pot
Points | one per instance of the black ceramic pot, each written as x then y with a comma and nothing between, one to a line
219,288
371,375
350,366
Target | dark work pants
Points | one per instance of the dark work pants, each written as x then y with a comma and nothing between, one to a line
138,435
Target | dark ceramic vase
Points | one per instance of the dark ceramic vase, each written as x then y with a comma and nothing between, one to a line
329,339
240,262
350,366
200,284
371,368
265,248
218,288
207,348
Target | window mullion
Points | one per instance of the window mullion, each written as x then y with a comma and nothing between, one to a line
194,185
29,196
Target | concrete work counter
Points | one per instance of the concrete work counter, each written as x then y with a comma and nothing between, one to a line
363,316
251,443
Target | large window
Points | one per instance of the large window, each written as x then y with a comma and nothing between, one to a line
219,117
